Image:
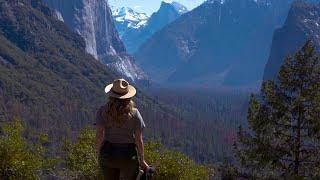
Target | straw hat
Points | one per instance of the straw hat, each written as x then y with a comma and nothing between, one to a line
120,89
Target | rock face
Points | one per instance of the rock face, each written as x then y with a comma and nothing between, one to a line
92,19
302,24
220,43
135,28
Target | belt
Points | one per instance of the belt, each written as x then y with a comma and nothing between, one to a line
120,145
118,150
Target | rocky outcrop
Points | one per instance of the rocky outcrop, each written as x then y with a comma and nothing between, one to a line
302,24
92,19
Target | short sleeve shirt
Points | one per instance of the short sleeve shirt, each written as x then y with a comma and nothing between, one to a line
123,133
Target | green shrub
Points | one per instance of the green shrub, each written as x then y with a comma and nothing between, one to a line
82,162
21,159
173,164
24,159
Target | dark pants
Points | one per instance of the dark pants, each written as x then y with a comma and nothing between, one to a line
119,161
119,168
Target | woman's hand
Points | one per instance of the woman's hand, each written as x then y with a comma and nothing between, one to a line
144,166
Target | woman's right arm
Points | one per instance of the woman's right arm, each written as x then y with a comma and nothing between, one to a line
99,137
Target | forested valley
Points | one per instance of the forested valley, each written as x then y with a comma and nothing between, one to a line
213,116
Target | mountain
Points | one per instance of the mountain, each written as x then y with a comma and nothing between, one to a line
48,80
126,18
93,21
302,24
135,28
217,44
46,77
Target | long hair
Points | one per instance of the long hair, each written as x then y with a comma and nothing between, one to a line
117,111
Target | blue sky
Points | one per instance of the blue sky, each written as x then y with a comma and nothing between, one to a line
150,6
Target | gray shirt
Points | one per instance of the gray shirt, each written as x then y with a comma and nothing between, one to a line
123,133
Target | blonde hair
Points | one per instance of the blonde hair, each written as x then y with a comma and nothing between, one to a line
117,111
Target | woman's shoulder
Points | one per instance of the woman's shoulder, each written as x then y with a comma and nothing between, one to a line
139,120
136,112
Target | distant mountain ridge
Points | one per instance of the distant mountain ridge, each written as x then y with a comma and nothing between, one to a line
92,20
135,28
302,24
220,43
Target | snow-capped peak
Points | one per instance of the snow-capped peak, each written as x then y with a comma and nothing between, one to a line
130,17
168,1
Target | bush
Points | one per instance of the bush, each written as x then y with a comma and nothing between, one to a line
82,162
21,159
173,164
81,159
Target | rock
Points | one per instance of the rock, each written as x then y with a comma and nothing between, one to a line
92,20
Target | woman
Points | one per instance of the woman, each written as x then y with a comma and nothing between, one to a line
119,142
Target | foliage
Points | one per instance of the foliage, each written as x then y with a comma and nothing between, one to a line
20,158
226,171
173,165
284,137
81,159
208,124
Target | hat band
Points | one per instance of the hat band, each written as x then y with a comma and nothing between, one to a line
117,93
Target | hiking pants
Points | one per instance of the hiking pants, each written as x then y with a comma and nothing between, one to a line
119,168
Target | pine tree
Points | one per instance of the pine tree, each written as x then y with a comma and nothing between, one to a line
283,141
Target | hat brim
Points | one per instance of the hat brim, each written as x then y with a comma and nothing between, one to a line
131,92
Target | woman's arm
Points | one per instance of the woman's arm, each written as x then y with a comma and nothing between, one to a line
99,137
140,147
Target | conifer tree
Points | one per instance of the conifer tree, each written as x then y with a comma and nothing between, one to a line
283,141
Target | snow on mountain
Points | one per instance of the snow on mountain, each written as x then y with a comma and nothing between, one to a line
134,27
181,9
58,15
129,17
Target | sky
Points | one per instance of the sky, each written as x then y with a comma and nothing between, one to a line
150,6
